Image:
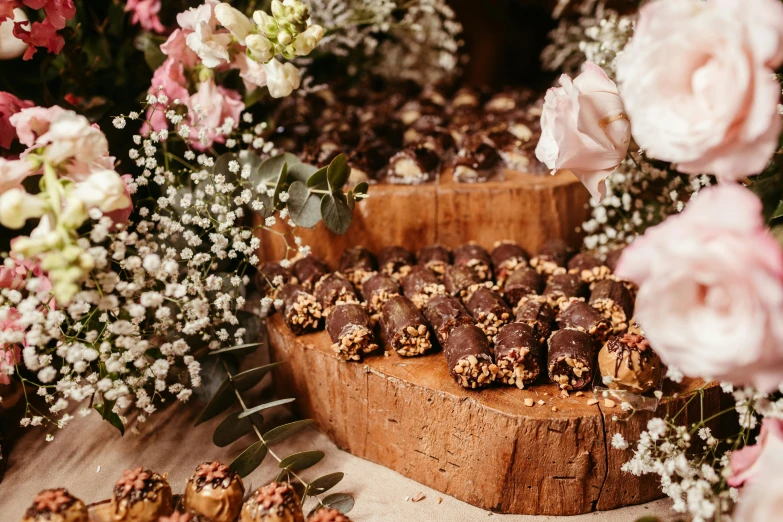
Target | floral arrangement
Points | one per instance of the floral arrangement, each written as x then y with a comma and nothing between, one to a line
695,103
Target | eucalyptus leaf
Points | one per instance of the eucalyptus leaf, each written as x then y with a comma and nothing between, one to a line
286,431
325,483
250,459
361,188
301,171
342,502
238,348
280,186
249,378
213,374
270,169
338,172
304,207
778,212
350,200
152,53
232,428
283,476
105,409
266,406
335,213
303,460
222,400
318,179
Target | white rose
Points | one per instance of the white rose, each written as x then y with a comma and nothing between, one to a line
210,45
17,206
235,21
305,42
104,189
71,136
281,78
261,47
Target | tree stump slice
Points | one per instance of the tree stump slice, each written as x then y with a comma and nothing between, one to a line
527,208
483,447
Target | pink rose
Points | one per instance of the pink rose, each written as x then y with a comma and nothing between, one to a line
748,462
9,105
169,79
145,13
757,469
711,289
584,128
697,82
13,172
216,104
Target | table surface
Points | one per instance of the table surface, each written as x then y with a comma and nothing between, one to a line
88,456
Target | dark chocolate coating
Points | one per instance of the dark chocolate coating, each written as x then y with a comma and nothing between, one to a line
489,310
445,313
458,279
475,257
393,260
346,321
464,343
561,287
583,261
334,288
435,257
357,261
519,354
378,289
309,270
412,166
571,346
614,301
506,257
404,327
613,257
420,284
266,275
555,252
522,282
479,154
308,317
581,316
537,313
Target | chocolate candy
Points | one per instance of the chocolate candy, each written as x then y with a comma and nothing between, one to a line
536,312
275,502
475,258
581,316
507,256
469,357
420,285
404,328
140,495
351,332
628,363
522,282
271,277
583,261
396,261
613,257
477,160
552,257
436,258
334,289
489,311
376,291
179,516
301,310
613,301
570,359
325,514
445,313
412,166
358,264
214,492
562,287
308,271
518,354
461,281
56,505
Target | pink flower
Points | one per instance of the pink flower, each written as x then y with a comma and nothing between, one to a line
13,172
145,13
584,128
122,215
41,34
169,79
176,48
748,462
216,105
9,105
697,82
9,356
251,72
711,289
57,11
30,123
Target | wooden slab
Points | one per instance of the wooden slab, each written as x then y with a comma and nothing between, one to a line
525,207
486,448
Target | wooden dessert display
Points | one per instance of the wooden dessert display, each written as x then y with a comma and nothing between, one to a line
492,448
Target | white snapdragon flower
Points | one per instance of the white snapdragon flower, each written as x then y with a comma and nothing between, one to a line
305,42
17,206
71,136
281,78
104,189
210,45
235,21
261,47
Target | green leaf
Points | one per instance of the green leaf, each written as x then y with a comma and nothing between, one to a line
253,97
250,459
271,168
318,179
280,187
232,428
283,476
105,409
266,406
350,200
778,212
285,431
338,172
220,402
213,374
325,483
237,348
361,188
304,208
249,378
152,53
301,171
303,460
342,502
335,213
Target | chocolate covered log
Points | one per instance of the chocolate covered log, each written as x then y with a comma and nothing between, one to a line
561,287
461,281
445,313
536,312
275,502
56,505
334,289
581,316
214,492
140,495
628,363
613,257
518,354
570,359
436,258
351,332
308,271
301,310
522,282
376,291
412,166
420,285
588,267
469,357
475,258
613,301
358,264
477,160
271,277
396,261
552,257
507,256
404,327
489,311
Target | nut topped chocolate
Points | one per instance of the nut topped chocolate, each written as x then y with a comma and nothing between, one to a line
275,502
214,492
56,505
507,256
179,516
325,514
628,363
140,495
358,264
308,271
396,261
476,258
552,257
436,258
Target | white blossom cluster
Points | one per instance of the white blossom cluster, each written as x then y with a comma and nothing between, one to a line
415,40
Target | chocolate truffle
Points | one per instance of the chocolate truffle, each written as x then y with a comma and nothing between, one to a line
628,363
376,291
301,310
350,330
588,267
561,287
140,495
476,258
518,354
445,313
412,166
507,256
552,257
404,327
325,514
536,312
579,315
178,516
420,285
489,310
358,264
275,502
461,281
469,357
523,282
477,159
214,492
308,271
570,359
56,505
613,301
271,277
334,289
396,261
436,258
